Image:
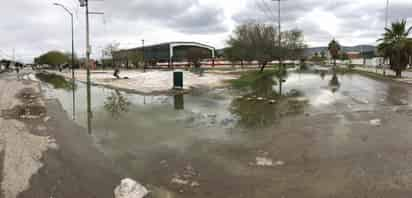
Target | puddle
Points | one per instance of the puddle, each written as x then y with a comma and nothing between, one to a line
217,131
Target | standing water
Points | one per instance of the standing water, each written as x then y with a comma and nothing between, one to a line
216,135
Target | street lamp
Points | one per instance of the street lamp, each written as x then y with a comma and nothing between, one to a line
73,79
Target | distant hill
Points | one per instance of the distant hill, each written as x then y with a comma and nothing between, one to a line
358,48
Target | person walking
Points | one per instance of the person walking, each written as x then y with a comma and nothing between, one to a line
18,72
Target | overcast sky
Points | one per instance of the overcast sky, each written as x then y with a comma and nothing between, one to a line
35,26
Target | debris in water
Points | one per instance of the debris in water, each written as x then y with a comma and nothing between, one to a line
272,101
194,184
129,188
47,118
404,102
375,122
187,178
279,163
299,100
263,161
177,180
260,99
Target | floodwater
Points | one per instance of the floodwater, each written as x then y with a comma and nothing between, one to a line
318,141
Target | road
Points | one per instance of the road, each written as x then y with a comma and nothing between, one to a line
405,74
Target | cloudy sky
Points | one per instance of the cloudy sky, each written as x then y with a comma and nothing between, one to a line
35,26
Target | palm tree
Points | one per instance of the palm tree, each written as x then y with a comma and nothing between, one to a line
396,46
334,49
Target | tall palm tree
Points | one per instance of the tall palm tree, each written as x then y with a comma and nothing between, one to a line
334,49
396,46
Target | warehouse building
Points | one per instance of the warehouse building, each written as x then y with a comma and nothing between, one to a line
168,53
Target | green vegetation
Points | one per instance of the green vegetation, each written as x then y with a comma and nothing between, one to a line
53,58
318,58
254,41
334,50
396,46
251,78
58,82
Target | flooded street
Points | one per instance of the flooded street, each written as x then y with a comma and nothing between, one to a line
325,140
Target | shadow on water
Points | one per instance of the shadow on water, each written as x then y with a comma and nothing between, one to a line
179,102
116,104
334,83
263,106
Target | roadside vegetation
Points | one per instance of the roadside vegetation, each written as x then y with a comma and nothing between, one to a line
396,47
260,42
250,78
58,82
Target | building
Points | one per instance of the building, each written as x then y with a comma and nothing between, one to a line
169,53
354,55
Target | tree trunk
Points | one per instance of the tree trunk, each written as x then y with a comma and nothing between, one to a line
398,73
262,67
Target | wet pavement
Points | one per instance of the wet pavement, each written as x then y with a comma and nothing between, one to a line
318,143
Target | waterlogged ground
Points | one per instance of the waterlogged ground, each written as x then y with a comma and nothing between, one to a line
226,143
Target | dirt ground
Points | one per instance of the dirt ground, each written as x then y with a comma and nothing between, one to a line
43,154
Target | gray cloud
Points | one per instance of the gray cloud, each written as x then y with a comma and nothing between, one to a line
186,16
32,27
359,21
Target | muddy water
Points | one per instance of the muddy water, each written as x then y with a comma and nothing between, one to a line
209,141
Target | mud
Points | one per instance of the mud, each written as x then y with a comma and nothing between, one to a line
76,169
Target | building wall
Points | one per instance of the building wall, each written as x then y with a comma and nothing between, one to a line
157,53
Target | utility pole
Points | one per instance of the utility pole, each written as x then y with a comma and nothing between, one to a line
85,3
280,67
144,61
89,103
73,79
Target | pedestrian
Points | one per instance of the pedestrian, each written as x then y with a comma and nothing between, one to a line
116,73
18,72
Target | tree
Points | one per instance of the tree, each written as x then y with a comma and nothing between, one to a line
323,54
234,54
53,58
259,42
110,49
344,56
258,39
294,44
396,46
195,55
334,49
135,58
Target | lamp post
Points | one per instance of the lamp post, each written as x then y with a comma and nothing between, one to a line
144,61
280,50
386,26
73,79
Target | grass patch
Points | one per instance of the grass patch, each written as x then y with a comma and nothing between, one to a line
374,75
58,82
250,78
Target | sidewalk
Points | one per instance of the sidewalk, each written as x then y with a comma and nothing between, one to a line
406,75
149,82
